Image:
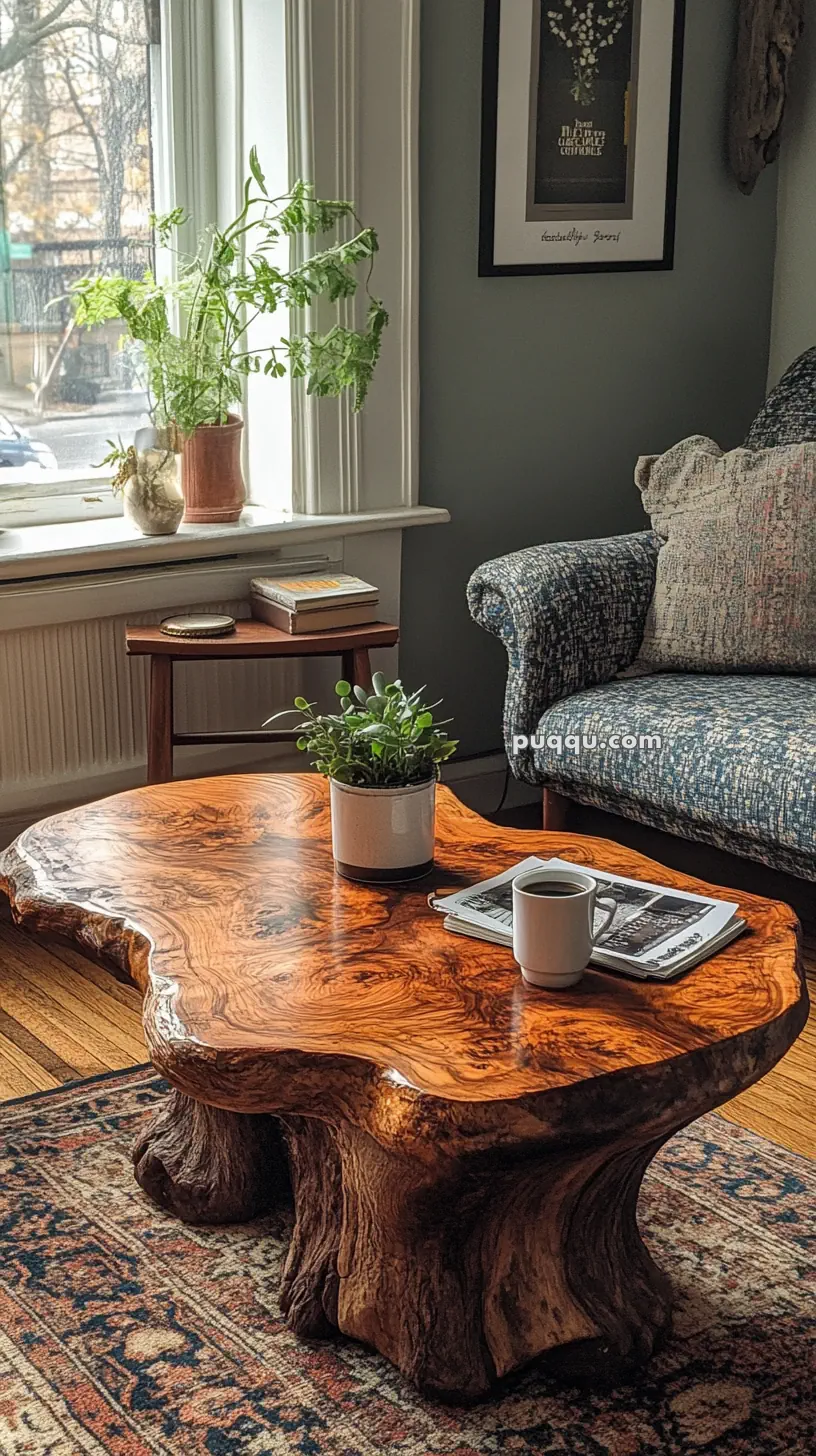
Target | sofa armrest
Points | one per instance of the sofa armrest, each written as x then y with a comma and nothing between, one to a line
571,615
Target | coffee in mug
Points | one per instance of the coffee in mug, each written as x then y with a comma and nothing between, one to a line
553,925
551,889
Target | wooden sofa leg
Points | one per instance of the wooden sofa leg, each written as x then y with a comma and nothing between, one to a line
556,808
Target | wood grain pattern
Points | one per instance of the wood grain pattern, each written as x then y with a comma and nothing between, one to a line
76,1011
466,1151
56,1039
768,32
778,1106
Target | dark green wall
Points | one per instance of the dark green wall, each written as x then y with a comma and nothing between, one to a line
539,393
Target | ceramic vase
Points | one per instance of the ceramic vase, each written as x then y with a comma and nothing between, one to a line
152,497
383,836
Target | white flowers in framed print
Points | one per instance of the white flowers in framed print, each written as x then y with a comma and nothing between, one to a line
580,135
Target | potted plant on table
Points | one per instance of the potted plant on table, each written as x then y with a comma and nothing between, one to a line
381,754
196,368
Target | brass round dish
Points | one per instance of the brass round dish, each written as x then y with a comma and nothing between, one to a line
199,624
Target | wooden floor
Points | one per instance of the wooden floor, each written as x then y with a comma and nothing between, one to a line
781,1106
62,1017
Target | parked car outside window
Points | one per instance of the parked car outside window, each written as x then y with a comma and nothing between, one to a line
17,448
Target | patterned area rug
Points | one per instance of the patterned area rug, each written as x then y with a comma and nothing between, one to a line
122,1331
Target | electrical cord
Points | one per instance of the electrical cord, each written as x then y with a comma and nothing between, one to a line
490,753
505,791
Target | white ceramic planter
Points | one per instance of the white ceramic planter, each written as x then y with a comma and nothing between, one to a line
383,835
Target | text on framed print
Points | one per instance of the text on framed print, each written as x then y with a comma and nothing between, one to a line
580,135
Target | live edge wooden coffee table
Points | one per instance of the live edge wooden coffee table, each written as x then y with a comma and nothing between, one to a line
465,1151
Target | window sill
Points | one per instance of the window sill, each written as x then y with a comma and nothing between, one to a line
33,552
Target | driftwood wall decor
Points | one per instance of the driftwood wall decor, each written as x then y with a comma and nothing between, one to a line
767,35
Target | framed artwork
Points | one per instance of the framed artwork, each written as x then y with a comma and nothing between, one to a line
581,120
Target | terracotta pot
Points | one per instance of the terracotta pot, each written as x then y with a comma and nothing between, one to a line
211,477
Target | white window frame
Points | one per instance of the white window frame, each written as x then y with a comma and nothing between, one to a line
352,107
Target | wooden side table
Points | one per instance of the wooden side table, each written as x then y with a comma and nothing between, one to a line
250,639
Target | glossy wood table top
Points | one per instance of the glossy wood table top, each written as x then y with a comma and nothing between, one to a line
465,1152
220,899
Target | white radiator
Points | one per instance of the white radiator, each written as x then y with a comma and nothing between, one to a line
73,705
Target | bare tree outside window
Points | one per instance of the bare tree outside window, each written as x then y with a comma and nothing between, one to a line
75,197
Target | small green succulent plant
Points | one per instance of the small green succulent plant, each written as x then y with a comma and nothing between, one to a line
383,739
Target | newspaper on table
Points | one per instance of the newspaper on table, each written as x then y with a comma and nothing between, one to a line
655,934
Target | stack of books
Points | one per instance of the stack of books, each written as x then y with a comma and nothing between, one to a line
313,603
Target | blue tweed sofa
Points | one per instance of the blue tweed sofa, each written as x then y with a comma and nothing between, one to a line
737,765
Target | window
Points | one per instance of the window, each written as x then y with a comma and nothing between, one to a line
111,109
76,197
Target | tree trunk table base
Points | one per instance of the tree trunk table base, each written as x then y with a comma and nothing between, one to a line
207,1165
462,1276
465,1151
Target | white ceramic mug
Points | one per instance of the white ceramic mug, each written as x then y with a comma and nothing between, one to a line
553,935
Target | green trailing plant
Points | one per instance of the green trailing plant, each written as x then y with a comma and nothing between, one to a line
122,460
196,372
379,740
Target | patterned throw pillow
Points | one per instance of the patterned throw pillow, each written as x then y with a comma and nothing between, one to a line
788,415
736,577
